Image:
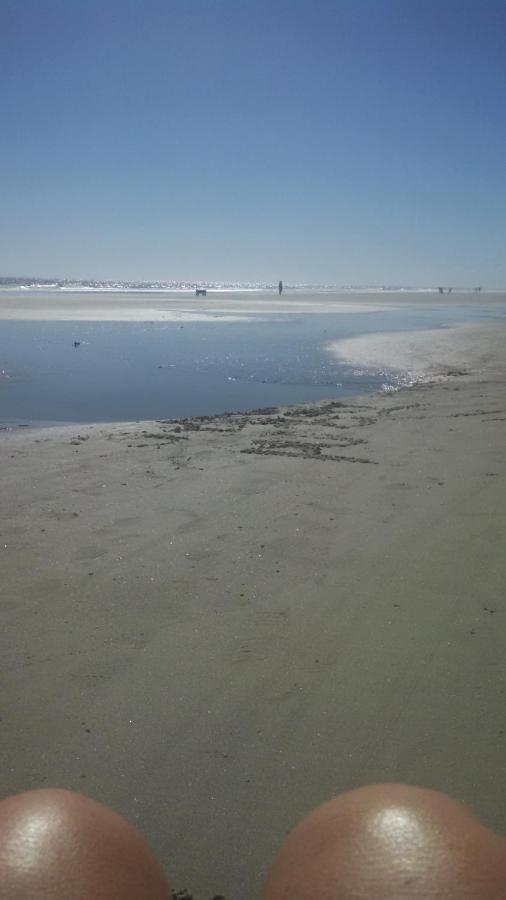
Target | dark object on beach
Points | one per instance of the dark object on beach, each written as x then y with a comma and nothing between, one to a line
184,895
477,290
280,288
77,343
441,291
200,292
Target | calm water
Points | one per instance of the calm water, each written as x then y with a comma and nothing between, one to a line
129,371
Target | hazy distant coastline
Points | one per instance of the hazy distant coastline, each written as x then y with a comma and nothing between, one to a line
70,284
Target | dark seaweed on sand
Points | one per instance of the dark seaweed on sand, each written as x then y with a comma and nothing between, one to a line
184,895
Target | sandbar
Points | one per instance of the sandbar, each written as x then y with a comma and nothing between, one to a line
183,306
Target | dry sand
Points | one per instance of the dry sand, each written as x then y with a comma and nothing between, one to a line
215,625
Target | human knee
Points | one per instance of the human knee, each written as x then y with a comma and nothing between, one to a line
389,841
56,844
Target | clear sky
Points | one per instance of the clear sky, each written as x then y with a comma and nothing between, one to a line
343,141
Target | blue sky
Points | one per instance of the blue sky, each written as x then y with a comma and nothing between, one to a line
361,141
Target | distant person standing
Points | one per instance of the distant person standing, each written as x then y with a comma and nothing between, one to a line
280,288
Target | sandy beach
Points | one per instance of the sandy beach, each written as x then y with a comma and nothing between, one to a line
215,624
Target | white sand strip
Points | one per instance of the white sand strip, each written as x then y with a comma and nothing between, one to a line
431,353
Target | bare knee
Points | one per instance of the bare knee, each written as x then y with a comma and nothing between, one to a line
56,844
389,842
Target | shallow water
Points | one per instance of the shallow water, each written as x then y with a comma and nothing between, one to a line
130,371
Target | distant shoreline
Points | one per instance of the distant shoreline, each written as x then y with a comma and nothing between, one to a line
115,284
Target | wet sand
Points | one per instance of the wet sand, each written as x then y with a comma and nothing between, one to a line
215,624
